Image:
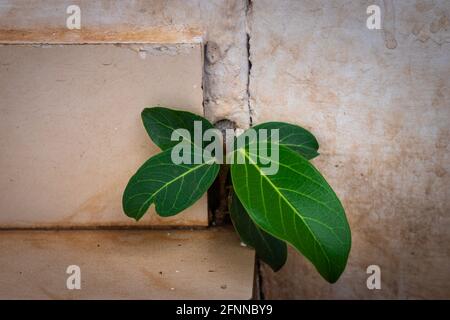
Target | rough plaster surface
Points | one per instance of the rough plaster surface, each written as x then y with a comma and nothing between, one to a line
379,103
125,264
223,24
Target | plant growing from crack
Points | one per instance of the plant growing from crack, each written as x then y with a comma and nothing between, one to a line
295,205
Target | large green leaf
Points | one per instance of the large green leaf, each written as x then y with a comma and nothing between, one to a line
268,248
161,122
172,187
294,137
296,205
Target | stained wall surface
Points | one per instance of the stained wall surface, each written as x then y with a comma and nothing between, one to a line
379,103
224,31
377,100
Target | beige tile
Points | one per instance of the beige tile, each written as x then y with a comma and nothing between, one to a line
71,133
125,264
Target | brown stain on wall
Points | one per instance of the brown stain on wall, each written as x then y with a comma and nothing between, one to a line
95,205
424,5
389,24
156,279
439,99
165,34
440,23
50,295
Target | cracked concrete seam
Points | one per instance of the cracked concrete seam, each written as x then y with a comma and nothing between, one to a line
248,12
226,68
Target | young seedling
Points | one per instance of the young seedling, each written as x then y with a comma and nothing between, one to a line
278,196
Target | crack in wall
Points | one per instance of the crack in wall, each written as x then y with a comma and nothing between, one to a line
213,55
258,292
248,12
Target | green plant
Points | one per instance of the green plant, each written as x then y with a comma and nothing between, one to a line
294,206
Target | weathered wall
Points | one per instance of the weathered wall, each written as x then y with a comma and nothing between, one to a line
381,111
224,24
378,101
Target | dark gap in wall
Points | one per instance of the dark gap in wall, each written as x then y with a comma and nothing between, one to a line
258,292
204,80
250,110
247,14
219,192
218,195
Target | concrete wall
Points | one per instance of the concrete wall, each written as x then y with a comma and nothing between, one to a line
378,101
223,24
